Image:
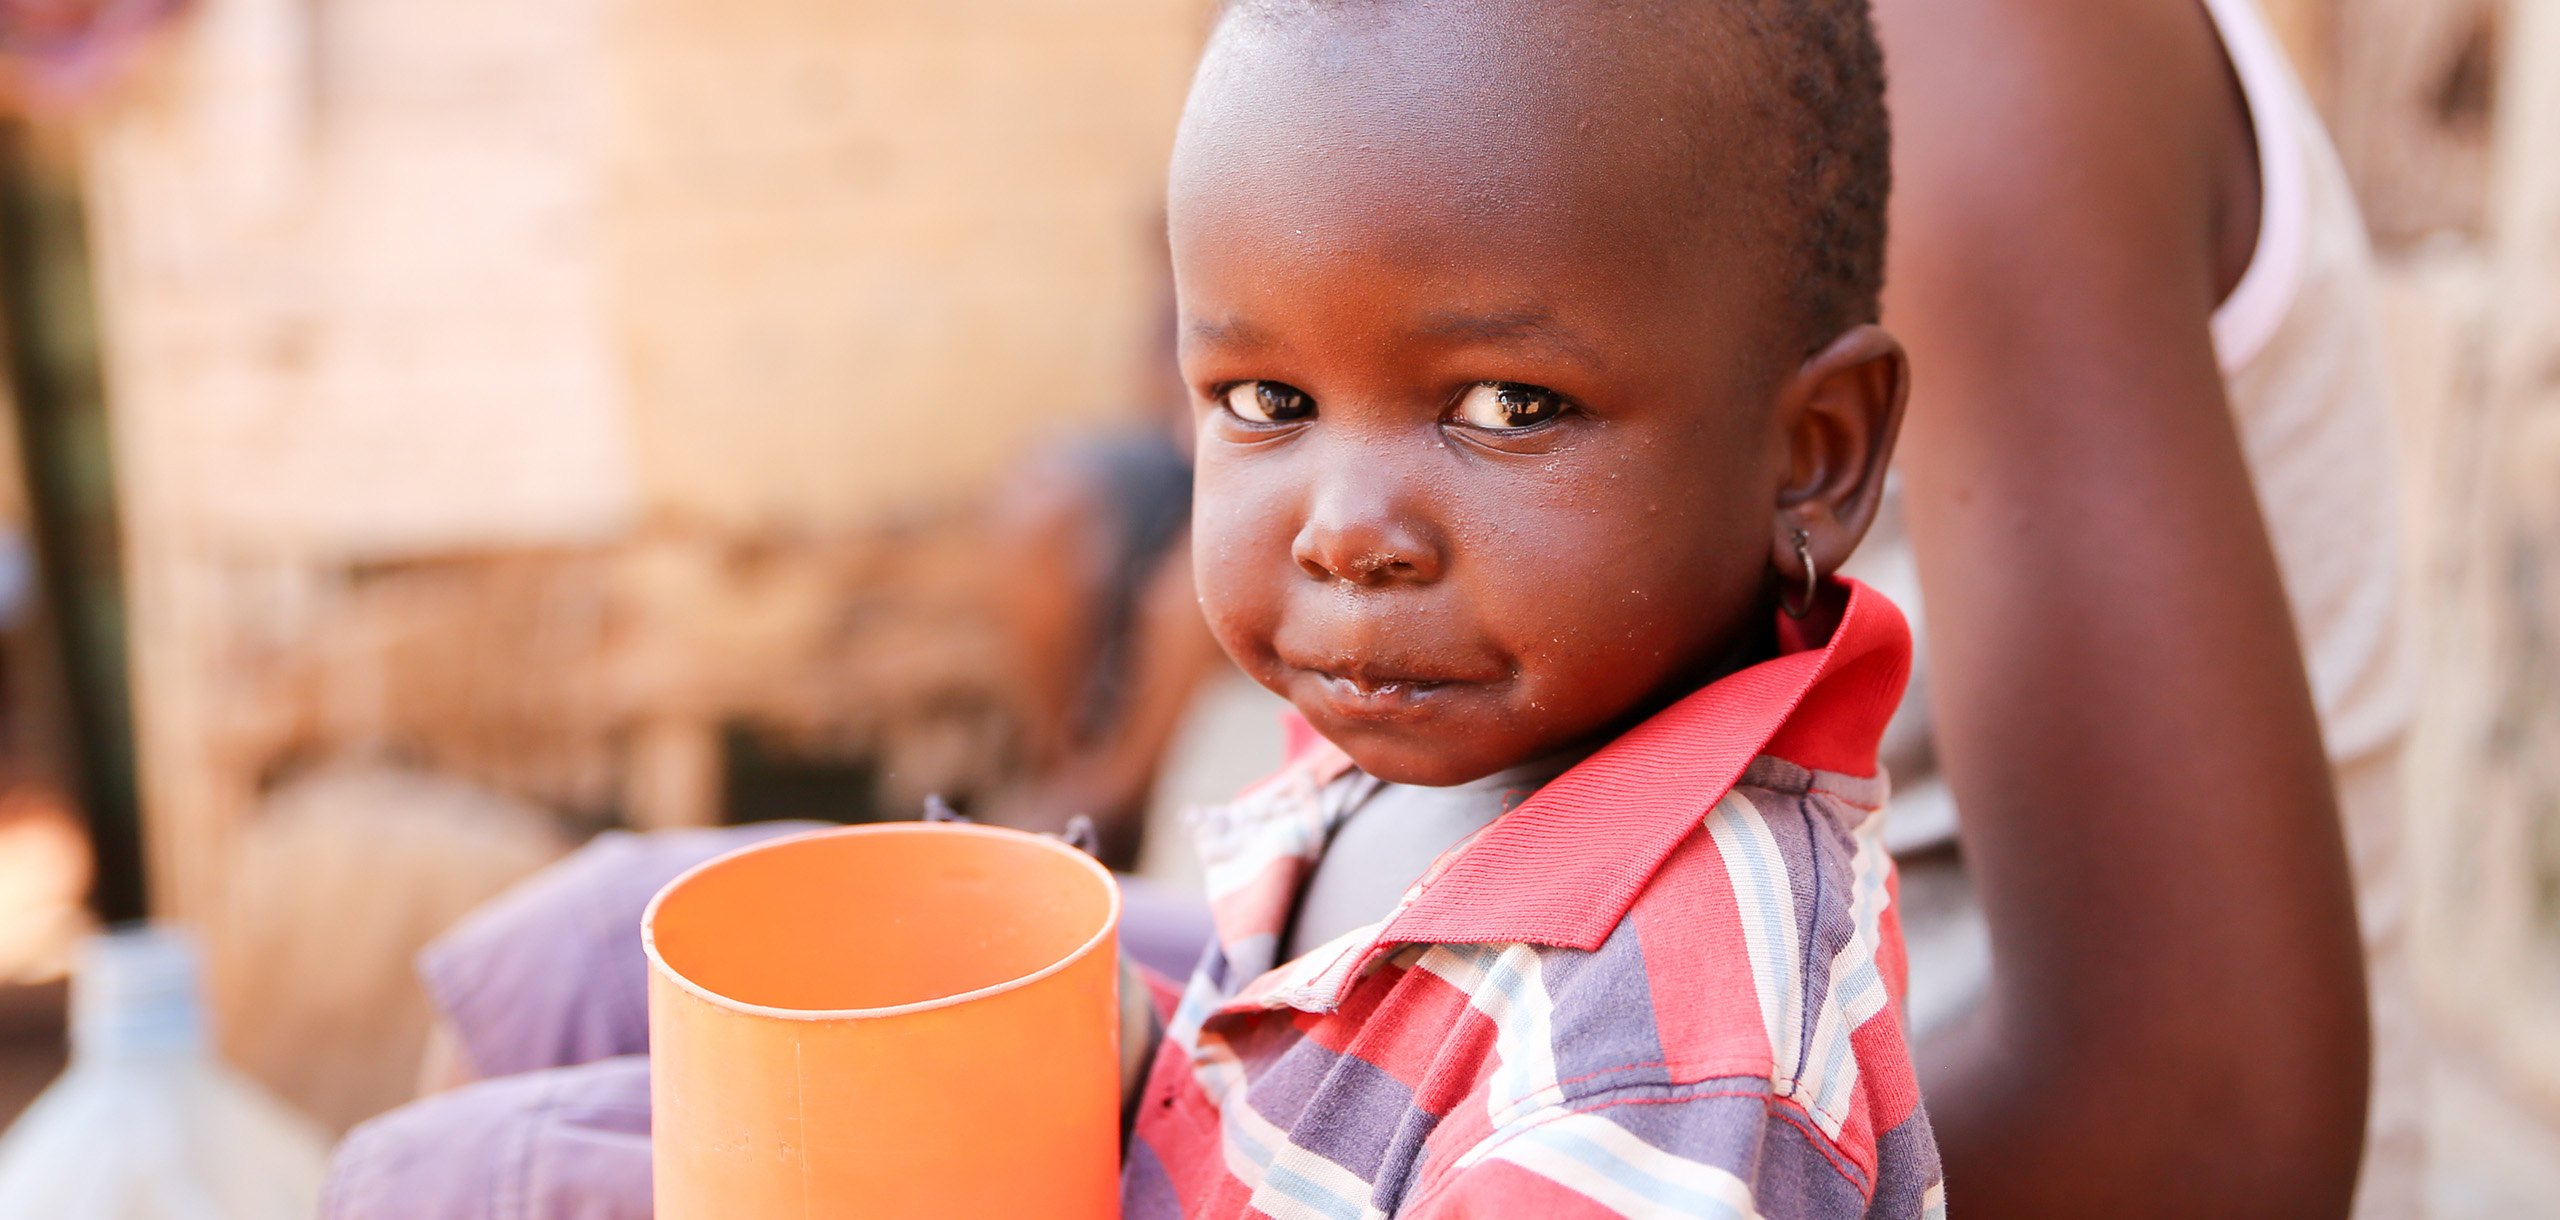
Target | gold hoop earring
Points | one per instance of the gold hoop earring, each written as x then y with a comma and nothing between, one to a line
1812,590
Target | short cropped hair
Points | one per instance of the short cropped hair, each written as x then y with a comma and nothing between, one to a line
1832,72
1820,82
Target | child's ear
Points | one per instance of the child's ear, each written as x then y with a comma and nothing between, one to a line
1839,416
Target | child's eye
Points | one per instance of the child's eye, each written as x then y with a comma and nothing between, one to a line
1268,402
1507,406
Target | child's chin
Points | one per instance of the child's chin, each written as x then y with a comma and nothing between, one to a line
1433,756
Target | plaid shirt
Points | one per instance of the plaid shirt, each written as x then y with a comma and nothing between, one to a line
1667,985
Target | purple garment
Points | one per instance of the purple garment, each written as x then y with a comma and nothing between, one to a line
550,973
546,988
570,1143
1162,928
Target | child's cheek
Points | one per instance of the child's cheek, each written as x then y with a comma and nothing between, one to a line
1240,557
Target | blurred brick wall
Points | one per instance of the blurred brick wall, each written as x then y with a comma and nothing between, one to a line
531,300
546,392
2447,114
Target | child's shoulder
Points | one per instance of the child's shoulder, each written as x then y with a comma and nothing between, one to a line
1767,941
1787,853
1742,1012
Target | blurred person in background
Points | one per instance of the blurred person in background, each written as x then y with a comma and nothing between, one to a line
1096,602
2148,475
1091,552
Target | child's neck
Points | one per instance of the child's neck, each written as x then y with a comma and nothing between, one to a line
1760,642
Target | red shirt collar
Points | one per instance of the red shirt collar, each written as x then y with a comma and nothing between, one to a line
1564,868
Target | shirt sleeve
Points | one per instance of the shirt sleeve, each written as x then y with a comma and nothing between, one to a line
1703,1152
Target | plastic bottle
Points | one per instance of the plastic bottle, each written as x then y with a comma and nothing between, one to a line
146,1124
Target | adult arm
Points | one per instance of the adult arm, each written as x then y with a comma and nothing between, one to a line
2176,1024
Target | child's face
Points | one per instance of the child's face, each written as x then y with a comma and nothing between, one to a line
1489,453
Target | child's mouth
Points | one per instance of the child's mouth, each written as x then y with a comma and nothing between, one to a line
1367,697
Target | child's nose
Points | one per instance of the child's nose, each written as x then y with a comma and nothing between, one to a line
1363,530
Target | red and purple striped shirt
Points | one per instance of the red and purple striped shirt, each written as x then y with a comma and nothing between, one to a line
1670,984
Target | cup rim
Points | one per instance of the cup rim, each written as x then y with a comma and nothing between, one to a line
659,964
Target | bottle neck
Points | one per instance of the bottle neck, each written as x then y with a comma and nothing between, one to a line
134,996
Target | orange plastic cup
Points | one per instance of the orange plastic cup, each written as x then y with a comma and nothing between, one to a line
902,1020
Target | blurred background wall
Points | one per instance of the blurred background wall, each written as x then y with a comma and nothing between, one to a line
583,402
540,416
537,388
2447,113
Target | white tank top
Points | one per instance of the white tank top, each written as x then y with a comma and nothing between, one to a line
2303,363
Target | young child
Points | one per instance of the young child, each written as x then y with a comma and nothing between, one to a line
1534,362
1537,388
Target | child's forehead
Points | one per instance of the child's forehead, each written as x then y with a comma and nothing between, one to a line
1553,79
1434,123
